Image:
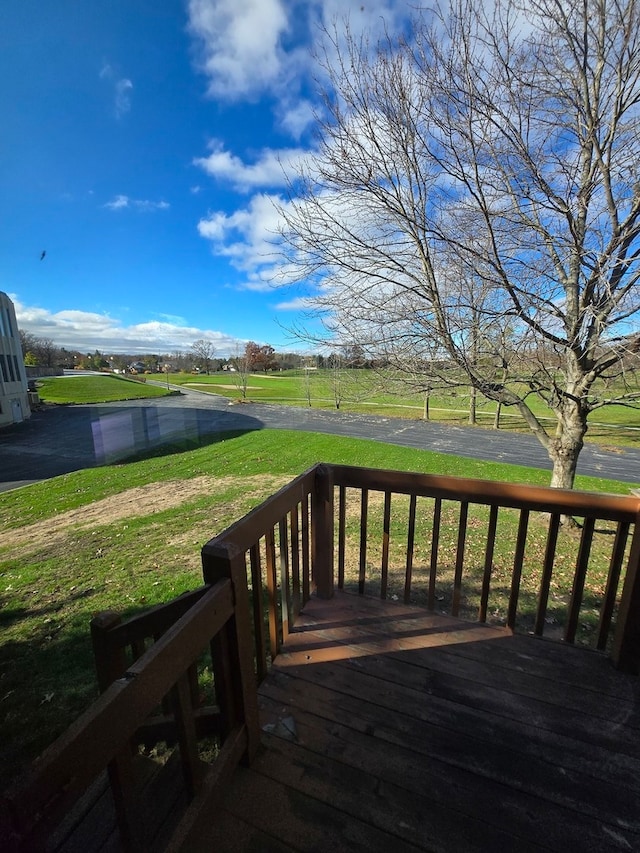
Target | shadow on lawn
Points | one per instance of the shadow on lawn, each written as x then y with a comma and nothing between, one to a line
62,439
46,681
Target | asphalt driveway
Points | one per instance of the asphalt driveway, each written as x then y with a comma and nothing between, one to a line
59,439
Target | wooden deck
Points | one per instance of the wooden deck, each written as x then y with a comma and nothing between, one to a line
385,727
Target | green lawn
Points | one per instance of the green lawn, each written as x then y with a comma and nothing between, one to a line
360,391
128,536
365,391
91,388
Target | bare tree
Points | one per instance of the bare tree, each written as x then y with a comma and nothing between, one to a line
41,351
204,351
499,145
242,369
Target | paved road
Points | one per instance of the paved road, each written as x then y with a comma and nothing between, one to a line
60,439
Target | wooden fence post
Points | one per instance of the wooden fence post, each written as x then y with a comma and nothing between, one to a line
626,642
322,532
110,662
224,562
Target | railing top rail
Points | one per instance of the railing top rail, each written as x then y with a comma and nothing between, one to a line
490,492
154,620
245,532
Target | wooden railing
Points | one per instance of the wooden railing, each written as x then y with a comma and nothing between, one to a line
271,554
149,698
473,548
450,544
449,532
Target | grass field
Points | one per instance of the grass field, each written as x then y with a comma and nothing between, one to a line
364,391
88,388
128,536
360,391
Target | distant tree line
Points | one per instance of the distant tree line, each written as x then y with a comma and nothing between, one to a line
201,357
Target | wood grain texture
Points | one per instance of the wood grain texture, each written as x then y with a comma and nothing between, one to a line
386,727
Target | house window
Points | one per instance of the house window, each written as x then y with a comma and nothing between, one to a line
3,367
9,326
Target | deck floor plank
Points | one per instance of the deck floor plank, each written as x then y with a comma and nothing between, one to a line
387,725
450,796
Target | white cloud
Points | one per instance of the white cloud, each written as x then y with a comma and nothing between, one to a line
120,202
248,47
123,96
122,89
87,331
239,43
299,303
144,205
297,117
268,170
248,236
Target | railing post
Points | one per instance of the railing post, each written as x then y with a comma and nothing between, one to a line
110,662
626,642
223,562
322,532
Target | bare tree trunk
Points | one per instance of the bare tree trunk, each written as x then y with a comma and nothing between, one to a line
336,379
473,399
564,448
427,395
307,385
496,420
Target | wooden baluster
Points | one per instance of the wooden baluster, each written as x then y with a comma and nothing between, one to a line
488,563
272,590
241,647
186,735
457,580
613,580
579,578
285,599
364,509
260,639
126,800
547,570
167,703
306,567
295,563
518,561
342,533
386,537
433,565
410,546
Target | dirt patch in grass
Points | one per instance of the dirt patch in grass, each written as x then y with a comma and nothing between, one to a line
214,385
134,503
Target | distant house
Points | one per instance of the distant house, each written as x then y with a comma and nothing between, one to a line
14,392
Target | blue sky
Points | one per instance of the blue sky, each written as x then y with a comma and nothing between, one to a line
141,150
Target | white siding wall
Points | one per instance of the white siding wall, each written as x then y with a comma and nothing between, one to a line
14,398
